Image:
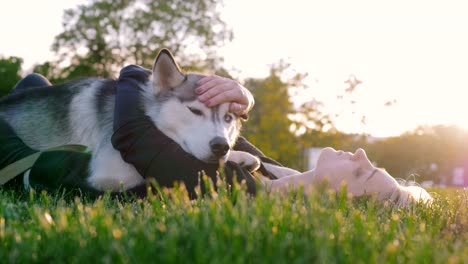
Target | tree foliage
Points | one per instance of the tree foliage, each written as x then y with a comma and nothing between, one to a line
268,125
275,119
287,119
10,69
101,37
428,152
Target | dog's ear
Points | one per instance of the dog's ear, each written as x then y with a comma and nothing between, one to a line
166,72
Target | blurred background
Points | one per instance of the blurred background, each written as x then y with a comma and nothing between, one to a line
385,76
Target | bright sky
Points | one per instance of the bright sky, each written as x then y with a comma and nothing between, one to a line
414,52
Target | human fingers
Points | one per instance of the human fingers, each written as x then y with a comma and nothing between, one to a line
214,90
238,109
221,89
229,95
208,82
227,89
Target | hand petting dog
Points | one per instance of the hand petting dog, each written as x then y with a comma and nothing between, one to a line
215,90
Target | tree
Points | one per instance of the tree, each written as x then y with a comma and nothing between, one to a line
275,119
104,35
427,152
52,71
268,125
10,69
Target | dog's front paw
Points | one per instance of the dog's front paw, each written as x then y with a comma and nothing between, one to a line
245,160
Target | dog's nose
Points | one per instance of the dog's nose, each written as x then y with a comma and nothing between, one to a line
219,146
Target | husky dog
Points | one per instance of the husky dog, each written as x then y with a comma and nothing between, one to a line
81,112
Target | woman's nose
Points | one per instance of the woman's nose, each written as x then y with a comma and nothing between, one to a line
360,154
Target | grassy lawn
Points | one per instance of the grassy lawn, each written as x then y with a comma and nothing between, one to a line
231,228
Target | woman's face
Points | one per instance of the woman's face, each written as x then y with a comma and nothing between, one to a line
354,170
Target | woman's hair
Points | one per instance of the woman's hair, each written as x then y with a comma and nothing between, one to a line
407,193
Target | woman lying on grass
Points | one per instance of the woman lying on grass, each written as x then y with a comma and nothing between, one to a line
356,171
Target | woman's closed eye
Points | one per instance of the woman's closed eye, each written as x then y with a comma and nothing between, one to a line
372,174
358,172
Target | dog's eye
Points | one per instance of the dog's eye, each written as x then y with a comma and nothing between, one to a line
228,118
195,111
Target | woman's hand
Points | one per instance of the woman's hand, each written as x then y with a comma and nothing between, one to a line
215,90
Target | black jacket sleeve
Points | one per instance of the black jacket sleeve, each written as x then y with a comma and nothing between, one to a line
243,145
12,148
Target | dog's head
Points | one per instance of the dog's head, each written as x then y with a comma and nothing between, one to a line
206,133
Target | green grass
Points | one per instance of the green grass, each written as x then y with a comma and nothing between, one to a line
231,228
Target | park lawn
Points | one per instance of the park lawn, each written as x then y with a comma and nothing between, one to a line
231,227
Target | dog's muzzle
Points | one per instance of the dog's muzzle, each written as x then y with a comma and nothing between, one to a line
219,147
